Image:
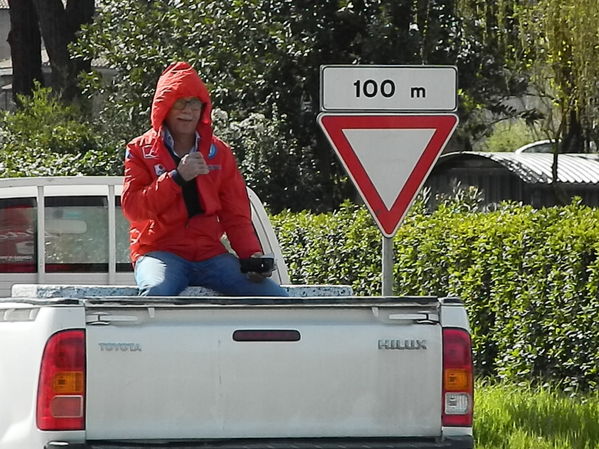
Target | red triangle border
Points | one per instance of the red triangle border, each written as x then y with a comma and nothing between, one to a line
388,220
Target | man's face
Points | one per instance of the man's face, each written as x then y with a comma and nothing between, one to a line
184,115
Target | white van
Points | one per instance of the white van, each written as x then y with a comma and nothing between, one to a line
70,230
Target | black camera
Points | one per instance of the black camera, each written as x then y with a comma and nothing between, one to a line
261,264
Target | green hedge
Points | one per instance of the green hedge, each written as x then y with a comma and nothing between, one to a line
529,277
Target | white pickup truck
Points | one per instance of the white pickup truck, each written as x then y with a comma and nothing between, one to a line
85,363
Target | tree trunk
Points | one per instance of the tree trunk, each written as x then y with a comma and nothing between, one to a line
79,12
559,146
53,24
59,27
574,140
25,47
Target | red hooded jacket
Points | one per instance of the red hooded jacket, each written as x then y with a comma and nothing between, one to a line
152,200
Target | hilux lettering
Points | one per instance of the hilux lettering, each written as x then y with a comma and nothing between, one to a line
406,345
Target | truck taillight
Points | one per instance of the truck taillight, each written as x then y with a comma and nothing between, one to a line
458,383
61,388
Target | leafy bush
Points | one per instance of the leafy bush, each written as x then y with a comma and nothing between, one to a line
509,136
336,248
268,159
47,138
529,278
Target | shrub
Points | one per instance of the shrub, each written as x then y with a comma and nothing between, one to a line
269,158
336,248
44,137
508,136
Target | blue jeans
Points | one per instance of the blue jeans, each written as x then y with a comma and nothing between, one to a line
160,273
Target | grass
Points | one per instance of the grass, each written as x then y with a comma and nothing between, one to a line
523,417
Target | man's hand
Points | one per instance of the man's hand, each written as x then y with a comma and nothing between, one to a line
258,277
192,165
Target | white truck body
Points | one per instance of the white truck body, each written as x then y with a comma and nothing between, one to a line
94,366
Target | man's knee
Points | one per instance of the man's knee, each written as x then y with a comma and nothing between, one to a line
161,289
160,274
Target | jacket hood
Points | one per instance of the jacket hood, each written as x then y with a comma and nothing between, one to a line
177,81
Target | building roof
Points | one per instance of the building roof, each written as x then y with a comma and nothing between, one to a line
535,168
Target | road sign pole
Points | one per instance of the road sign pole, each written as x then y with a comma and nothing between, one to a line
387,266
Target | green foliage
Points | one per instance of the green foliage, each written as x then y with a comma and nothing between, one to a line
529,278
47,138
549,45
345,240
486,80
524,417
566,42
508,136
241,50
269,159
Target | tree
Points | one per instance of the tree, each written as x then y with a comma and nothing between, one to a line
263,57
488,80
46,137
554,43
560,47
57,24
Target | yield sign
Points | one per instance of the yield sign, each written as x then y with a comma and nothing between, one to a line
388,157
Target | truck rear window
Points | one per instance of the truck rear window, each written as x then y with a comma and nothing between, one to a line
17,235
76,235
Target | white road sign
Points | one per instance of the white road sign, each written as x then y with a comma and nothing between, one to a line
388,88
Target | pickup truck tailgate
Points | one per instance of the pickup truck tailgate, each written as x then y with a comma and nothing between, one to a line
262,368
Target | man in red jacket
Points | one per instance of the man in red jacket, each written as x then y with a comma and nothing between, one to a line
182,192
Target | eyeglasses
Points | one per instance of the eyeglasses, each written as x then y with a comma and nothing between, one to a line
194,103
